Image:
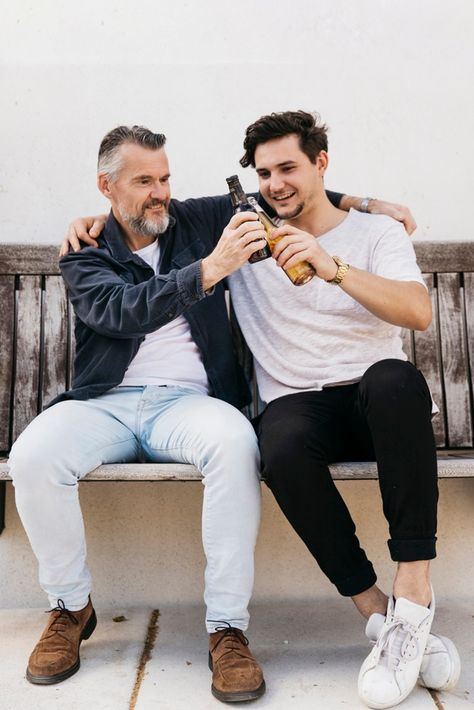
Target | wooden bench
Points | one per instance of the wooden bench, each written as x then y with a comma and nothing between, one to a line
37,350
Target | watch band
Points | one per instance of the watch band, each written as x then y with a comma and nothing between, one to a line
342,269
364,204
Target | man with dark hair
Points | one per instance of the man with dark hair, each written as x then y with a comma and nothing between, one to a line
337,385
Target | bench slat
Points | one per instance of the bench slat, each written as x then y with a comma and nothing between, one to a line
55,358
7,316
28,352
453,465
428,360
454,356
469,311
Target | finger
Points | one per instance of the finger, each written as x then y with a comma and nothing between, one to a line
293,250
250,237
241,217
96,230
64,249
248,228
284,231
72,238
409,222
256,245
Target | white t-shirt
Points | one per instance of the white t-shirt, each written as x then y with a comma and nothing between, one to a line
313,336
169,355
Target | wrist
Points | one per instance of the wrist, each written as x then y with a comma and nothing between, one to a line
210,274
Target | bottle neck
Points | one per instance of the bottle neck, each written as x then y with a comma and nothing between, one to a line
237,194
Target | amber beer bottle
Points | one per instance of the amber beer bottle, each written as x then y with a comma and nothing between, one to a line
240,203
299,274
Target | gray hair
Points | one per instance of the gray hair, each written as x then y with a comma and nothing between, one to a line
109,161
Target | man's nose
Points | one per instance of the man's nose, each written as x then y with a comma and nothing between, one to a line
276,183
159,191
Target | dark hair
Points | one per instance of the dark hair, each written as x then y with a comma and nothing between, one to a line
109,161
311,132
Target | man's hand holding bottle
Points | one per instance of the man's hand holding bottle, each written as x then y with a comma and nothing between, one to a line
243,236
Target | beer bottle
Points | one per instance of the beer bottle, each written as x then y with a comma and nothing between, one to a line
299,274
240,204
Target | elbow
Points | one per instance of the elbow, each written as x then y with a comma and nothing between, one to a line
422,318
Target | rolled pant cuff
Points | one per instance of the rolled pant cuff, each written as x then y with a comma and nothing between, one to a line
412,550
357,583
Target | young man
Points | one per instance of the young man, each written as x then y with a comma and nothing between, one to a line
331,369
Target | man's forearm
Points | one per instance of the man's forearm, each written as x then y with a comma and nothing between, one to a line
403,303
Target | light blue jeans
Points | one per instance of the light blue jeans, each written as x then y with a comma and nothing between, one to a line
155,424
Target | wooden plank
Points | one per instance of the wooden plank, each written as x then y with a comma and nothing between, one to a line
407,340
29,259
454,358
445,256
428,360
458,464
7,324
71,345
28,352
54,339
433,256
469,311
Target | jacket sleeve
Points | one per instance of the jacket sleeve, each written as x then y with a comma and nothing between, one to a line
110,306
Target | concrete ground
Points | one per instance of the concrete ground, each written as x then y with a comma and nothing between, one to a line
156,659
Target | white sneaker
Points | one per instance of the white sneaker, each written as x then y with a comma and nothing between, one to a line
390,671
441,665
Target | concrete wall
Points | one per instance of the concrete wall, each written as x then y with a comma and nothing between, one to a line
143,551
393,81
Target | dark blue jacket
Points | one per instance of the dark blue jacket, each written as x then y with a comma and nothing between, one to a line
118,299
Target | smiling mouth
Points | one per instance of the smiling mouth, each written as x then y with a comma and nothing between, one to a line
284,197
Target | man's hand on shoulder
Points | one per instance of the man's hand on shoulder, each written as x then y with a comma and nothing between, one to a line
83,229
373,206
399,212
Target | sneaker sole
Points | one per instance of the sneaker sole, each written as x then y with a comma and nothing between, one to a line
52,679
237,697
455,668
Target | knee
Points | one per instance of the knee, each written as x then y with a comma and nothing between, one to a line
23,463
233,439
392,376
284,451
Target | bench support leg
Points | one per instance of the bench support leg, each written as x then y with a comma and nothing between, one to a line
3,486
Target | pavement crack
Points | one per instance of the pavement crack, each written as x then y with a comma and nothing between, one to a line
436,699
151,634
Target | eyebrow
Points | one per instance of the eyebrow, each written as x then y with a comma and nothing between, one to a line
137,178
284,164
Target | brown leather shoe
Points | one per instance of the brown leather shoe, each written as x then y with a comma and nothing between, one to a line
56,655
236,675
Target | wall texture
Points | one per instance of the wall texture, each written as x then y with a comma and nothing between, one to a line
392,80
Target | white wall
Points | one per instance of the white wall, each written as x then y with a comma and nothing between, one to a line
393,79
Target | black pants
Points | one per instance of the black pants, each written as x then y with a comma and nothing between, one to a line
385,417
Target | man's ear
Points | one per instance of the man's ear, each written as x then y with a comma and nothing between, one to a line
103,184
322,162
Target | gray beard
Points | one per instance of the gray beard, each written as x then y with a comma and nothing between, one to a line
145,227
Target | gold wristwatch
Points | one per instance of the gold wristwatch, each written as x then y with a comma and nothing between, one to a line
342,269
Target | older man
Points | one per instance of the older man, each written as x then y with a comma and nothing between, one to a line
155,380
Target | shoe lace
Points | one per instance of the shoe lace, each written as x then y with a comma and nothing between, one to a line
63,616
232,637
398,641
